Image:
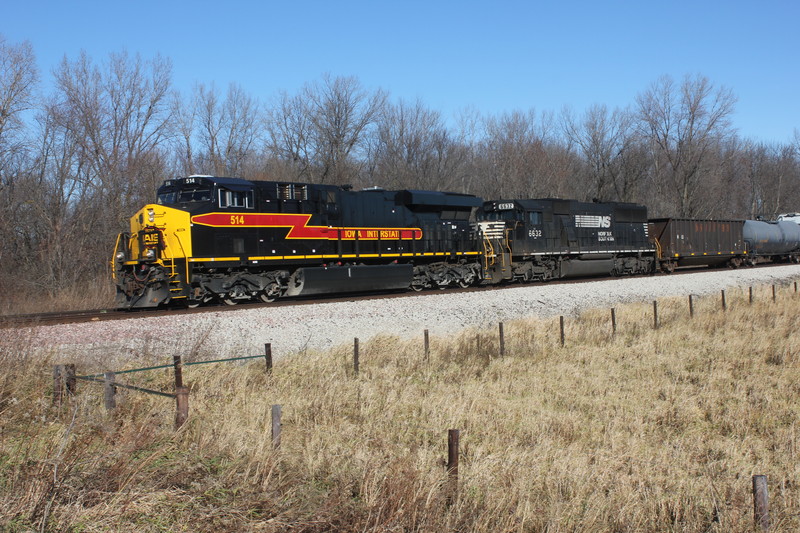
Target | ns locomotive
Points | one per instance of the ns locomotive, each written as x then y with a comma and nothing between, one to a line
228,239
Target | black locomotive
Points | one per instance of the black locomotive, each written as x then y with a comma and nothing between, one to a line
228,239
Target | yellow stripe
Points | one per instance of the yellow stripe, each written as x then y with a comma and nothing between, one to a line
206,259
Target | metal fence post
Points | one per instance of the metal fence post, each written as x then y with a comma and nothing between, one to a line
502,341
427,346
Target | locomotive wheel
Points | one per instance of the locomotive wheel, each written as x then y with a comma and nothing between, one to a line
227,300
270,294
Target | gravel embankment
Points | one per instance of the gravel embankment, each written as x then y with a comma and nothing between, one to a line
325,325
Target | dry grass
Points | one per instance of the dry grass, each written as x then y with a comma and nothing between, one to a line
648,430
89,295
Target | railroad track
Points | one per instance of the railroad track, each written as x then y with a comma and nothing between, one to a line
71,317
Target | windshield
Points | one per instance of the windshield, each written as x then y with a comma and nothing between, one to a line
183,196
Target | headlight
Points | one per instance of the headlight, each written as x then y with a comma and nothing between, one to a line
151,215
150,254
120,256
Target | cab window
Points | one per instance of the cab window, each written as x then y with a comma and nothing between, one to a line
228,198
194,195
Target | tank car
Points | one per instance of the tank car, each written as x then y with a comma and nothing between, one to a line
542,239
776,240
229,239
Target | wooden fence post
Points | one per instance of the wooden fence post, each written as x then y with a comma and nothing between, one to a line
561,324
109,391
691,306
502,341
774,294
182,406
268,357
355,355
276,426
655,314
724,303
751,295
63,378
452,464
613,322
178,366
427,347
760,503
58,384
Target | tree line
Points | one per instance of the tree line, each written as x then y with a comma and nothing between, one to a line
76,162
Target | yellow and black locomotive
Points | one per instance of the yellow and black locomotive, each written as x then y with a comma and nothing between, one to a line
228,239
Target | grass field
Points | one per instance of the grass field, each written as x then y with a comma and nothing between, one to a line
646,430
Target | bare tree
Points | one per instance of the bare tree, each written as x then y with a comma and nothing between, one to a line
609,146
412,148
18,84
340,111
684,125
229,130
290,149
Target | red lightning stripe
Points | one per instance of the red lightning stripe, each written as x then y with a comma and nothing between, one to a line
299,228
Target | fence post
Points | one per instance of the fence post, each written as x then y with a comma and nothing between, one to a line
63,378
751,295
177,364
774,294
109,391
276,426
691,306
760,502
452,464
58,384
724,303
355,355
613,322
655,314
182,406
427,347
561,324
502,341
70,380
268,357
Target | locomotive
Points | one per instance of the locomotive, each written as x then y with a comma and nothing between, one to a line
230,240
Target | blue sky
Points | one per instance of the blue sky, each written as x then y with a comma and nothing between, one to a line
492,56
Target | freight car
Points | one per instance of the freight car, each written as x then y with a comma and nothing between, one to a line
228,239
